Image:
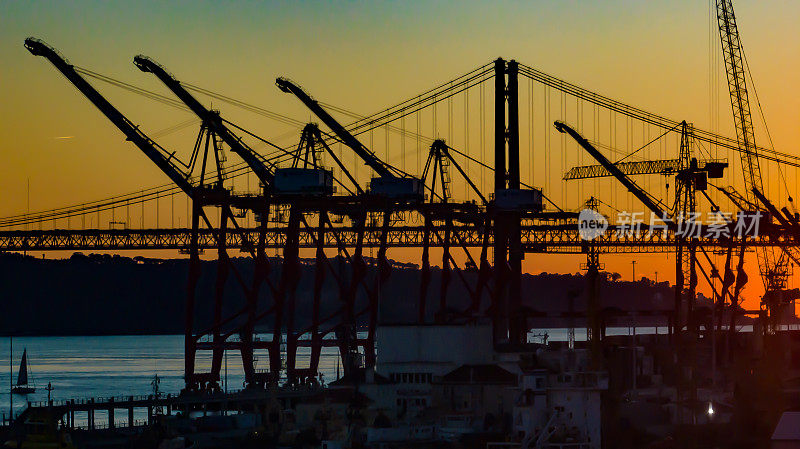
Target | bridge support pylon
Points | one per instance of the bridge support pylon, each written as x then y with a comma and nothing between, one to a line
509,320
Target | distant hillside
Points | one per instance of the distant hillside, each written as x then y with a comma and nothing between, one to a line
101,294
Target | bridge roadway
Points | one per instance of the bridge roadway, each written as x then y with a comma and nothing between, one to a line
538,238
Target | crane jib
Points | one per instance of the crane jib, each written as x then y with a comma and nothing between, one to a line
211,118
132,132
615,171
380,168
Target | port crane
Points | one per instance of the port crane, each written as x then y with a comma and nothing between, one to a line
392,188
690,178
205,193
211,192
210,118
284,185
773,268
265,171
163,159
593,263
369,158
390,181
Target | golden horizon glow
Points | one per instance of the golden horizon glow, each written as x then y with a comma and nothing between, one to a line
364,56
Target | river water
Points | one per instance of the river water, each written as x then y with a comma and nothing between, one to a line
102,366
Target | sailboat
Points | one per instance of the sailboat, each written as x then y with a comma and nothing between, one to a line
22,386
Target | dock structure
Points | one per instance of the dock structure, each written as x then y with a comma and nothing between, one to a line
250,400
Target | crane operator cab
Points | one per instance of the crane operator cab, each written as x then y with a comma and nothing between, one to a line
528,200
294,181
406,189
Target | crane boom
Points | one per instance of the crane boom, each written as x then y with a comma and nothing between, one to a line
655,167
211,118
362,151
737,199
148,146
615,171
773,267
663,167
740,103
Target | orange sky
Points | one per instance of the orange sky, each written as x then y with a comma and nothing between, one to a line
364,56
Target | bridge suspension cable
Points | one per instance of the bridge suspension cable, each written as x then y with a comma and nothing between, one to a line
649,117
362,125
386,119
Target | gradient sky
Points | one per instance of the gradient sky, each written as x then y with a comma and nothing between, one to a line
361,56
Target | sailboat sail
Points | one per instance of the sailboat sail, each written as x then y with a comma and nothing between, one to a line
22,379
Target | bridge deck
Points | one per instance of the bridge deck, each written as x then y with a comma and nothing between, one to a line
557,239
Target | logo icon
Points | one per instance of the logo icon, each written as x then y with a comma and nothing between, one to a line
591,224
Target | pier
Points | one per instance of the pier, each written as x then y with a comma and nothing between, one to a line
64,412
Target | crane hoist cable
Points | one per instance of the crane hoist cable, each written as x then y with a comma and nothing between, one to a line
381,121
393,113
231,172
655,205
353,127
411,102
175,128
648,144
132,88
244,105
764,121
649,117
781,158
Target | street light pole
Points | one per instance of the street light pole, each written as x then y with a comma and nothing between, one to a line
10,379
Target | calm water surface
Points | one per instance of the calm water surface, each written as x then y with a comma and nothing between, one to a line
85,367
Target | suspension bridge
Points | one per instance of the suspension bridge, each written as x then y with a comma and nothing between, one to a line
485,168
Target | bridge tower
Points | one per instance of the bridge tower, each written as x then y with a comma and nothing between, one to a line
507,318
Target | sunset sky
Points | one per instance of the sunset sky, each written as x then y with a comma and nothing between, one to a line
661,56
